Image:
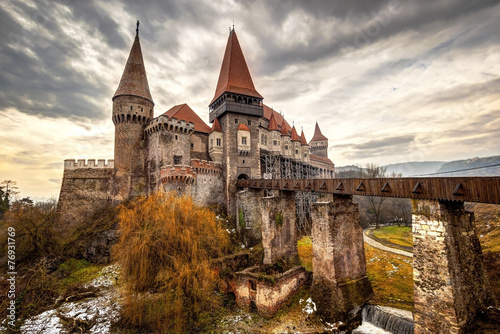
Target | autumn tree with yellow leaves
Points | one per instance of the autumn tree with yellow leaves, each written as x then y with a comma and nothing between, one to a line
165,247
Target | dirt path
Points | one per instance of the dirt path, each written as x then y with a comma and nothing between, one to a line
378,245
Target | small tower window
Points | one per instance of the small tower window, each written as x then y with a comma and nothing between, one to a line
286,147
142,109
249,122
211,142
177,159
243,140
192,146
275,142
219,142
176,137
296,151
131,107
235,121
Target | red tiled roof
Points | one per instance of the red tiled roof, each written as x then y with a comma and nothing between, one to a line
295,137
272,124
284,131
318,136
184,112
234,75
243,127
134,80
321,159
216,126
268,112
303,140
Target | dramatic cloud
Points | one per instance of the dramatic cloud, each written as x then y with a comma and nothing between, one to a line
387,80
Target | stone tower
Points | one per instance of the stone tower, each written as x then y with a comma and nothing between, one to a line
319,143
132,108
238,107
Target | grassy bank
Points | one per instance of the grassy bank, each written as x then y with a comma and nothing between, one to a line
394,236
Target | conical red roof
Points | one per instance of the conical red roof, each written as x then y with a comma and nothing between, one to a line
295,137
272,124
318,136
184,112
216,126
234,76
303,140
134,80
284,130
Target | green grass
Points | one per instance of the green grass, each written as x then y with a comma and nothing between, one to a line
78,271
401,236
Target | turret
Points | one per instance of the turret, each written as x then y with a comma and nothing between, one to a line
319,143
304,148
132,109
286,141
296,146
215,142
275,144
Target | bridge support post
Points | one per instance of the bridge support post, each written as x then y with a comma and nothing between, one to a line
248,218
340,286
279,236
450,284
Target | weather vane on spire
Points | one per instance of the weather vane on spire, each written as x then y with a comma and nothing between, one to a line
137,29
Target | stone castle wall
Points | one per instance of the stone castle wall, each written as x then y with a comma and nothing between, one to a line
86,187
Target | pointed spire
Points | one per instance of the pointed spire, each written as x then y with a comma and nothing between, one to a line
295,136
303,140
234,75
134,80
216,126
272,124
284,131
318,136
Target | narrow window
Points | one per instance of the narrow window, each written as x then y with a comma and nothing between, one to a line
275,142
176,137
249,122
219,142
243,140
192,145
131,107
235,121
296,151
286,147
211,142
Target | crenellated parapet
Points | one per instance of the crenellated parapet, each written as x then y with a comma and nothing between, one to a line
203,167
163,122
90,163
177,173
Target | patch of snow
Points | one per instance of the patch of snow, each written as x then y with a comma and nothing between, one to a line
309,306
45,323
106,278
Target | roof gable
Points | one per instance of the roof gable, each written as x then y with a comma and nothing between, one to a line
184,112
318,136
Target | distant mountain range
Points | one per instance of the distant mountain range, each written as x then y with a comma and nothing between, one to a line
487,166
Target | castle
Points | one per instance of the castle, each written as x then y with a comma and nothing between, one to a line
178,151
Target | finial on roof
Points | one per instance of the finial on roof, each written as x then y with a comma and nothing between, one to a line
137,29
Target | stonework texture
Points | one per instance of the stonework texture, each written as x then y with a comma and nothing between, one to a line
340,286
279,235
450,285
267,295
83,191
248,213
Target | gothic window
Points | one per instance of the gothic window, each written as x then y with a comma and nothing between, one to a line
219,142
243,140
177,159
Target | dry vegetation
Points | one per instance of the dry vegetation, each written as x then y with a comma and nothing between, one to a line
165,246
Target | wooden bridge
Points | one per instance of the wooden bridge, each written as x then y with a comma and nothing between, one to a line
464,189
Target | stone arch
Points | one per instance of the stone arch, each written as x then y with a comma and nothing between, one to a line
243,176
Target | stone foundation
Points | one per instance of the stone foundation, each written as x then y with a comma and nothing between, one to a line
340,286
267,293
450,284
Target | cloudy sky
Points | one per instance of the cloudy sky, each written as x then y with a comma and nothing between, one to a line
388,81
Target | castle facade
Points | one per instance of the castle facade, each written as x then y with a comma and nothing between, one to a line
178,151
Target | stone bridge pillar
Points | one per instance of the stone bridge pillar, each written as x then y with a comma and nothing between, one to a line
450,284
340,286
279,235
248,217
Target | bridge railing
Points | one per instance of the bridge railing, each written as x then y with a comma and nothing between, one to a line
465,189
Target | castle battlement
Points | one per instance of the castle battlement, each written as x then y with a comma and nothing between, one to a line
206,167
90,163
162,122
177,173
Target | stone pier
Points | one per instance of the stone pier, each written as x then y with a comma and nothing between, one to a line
340,286
279,235
450,284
